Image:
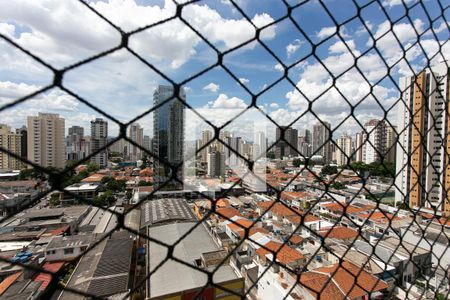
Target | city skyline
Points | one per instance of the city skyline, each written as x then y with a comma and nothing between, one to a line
130,89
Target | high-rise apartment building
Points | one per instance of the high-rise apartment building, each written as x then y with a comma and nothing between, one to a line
391,140
374,144
23,141
423,144
322,140
288,146
359,146
344,150
10,141
207,136
46,145
216,163
99,139
306,135
75,143
304,148
260,145
147,142
234,143
136,134
168,131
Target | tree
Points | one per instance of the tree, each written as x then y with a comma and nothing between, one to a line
107,198
338,185
92,167
270,155
296,162
116,185
329,170
144,183
54,199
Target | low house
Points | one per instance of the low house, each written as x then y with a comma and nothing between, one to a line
67,248
86,191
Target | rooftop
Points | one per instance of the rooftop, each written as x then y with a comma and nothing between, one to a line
188,249
157,211
70,241
347,282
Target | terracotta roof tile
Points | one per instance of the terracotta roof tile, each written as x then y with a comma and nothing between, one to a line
348,280
339,232
284,253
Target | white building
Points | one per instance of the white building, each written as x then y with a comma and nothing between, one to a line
344,150
423,142
67,248
45,142
136,134
374,146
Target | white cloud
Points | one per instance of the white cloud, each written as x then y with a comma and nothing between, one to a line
274,105
212,87
244,80
279,67
340,47
443,26
293,47
326,32
391,3
223,101
63,33
7,29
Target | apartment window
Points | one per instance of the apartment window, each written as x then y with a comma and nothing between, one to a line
68,251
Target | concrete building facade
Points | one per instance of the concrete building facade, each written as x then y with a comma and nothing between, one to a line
46,140
423,143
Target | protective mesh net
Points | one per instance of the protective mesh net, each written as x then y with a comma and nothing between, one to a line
349,236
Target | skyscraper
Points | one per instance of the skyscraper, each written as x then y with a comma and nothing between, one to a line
359,146
234,143
207,136
260,145
322,140
374,145
306,135
10,141
74,143
282,148
344,150
147,142
23,140
423,143
136,134
391,139
99,139
216,163
46,140
168,131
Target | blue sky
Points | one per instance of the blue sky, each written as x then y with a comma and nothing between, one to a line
62,33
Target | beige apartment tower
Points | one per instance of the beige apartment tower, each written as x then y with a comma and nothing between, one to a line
10,141
344,150
46,140
422,152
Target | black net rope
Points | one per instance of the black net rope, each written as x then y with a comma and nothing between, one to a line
56,181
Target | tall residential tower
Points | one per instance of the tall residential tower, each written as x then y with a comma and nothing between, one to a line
424,145
168,131
99,139
46,145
